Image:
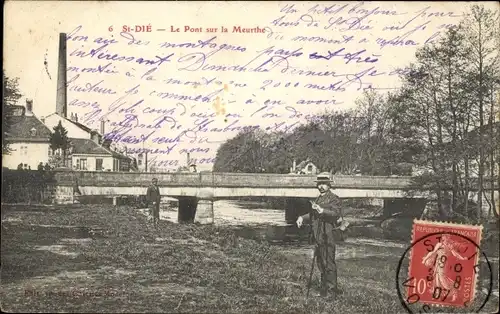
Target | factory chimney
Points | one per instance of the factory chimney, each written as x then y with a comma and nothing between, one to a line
61,97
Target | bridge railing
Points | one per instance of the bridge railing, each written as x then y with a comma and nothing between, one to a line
241,180
216,179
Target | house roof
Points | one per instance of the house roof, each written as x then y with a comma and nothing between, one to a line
78,124
303,164
81,126
87,146
120,156
20,129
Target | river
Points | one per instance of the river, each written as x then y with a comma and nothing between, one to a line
255,220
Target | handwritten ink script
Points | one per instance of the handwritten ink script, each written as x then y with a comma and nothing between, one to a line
173,88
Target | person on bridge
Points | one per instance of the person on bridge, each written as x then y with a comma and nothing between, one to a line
153,197
325,217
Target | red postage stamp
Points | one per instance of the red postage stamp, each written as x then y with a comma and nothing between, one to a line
444,263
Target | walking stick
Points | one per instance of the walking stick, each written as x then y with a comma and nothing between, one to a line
311,274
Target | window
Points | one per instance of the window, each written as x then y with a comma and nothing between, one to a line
33,131
116,165
310,168
81,164
98,164
24,150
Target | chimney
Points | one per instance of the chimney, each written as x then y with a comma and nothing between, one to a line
188,159
94,136
29,106
61,97
76,117
106,143
72,116
102,127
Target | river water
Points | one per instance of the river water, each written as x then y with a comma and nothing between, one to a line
256,220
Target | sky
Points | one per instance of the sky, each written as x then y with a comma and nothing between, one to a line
166,77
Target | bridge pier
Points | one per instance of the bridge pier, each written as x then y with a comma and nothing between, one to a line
199,209
294,207
408,206
204,212
187,209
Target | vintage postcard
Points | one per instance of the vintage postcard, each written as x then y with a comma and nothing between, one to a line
250,157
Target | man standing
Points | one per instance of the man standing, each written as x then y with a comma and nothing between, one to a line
325,217
153,197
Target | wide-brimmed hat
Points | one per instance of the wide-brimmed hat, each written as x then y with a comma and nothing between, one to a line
323,177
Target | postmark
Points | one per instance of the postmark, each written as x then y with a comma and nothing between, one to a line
443,269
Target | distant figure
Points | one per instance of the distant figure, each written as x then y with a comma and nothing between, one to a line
192,168
153,197
29,167
40,166
47,166
25,167
20,166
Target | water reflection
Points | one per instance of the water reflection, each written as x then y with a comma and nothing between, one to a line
283,234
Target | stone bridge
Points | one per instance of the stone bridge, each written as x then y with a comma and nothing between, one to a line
196,192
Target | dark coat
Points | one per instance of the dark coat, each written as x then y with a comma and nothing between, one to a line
153,194
324,225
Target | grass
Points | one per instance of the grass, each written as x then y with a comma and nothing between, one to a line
130,267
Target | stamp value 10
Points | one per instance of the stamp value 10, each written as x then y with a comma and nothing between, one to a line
443,268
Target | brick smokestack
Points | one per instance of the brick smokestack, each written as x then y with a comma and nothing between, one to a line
102,127
61,97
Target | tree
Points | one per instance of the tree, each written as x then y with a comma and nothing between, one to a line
373,123
11,95
447,102
481,30
59,142
243,153
340,149
433,105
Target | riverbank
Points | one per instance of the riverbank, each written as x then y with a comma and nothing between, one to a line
104,259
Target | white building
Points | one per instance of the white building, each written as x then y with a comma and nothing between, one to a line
88,151
305,167
86,155
75,129
28,138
